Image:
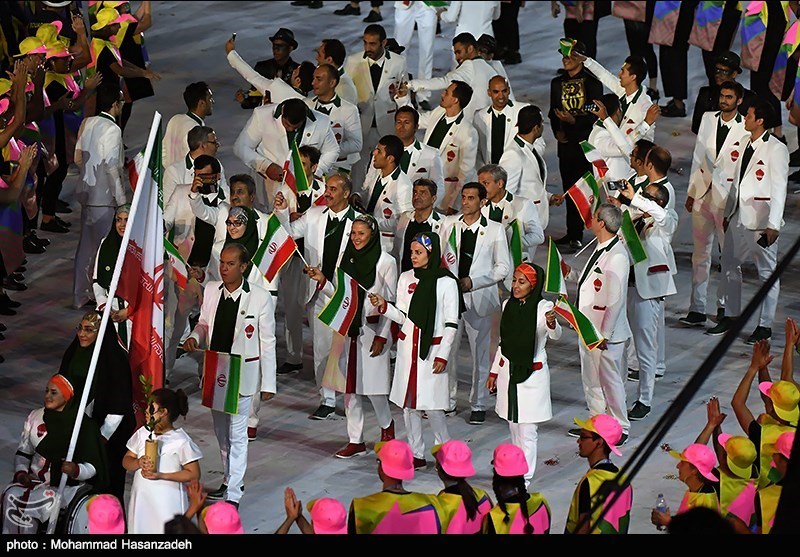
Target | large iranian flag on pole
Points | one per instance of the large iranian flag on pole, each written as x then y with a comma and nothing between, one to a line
593,156
275,250
450,253
586,196
221,373
141,278
590,337
555,283
339,312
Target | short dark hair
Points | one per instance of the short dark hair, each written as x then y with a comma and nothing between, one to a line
194,93
311,152
108,92
375,29
394,147
427,183
734,86
243,253
295,110
528,118
197,136
245,179
638,67
411,110
333,72
463,92
763,110
306,73
207,160
660,158
467,39
643,148
611,102
661,195
475,186
334,49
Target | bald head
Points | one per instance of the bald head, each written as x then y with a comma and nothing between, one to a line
499,92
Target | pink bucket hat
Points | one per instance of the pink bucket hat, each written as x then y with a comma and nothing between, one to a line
740,454
223,518
701,457
606,427
455,458
785,398
328,516
397,459
105,515
509,461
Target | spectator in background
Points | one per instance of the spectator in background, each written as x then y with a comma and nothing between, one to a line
506,32
280,66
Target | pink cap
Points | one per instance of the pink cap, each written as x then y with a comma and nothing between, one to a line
455,458
509,461
223,518
397,459
328,516
606,427
784,443
105,515
701,457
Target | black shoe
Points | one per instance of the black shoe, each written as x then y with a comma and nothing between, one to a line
63,207
315,5
512,58
575,244
53,226
721,328
477,417
5,310
300,3
693,319
31,246
622,440
671,110
633,375
794,158
322,412
61,221
2,359
653,94
639,411
451,412
21,269
10,284
217,495
563,241
289,368
3,328
575,432
44,242
347,10
761,333
17,276
373,17
720,314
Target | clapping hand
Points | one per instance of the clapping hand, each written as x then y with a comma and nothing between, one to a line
761,356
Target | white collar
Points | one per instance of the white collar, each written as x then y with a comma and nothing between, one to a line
340,215
235,294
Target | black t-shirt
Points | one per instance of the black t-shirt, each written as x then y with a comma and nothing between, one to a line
104,61
135,87
46,16
574,92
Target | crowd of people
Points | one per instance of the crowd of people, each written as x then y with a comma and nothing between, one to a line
428,220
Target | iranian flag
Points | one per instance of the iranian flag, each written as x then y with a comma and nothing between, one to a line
582,325
586,196
141,269
515,243
275,250
180,269
450,253
221,373
631,237
556,271
339,312
294,175
593,156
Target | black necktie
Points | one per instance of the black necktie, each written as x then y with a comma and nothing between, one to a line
377,190
405,160
748,154
623,104
722,133
439,133
324,108
540,161
495,212
498,136
586,270
375,72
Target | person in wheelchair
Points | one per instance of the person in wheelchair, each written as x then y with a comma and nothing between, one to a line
40,460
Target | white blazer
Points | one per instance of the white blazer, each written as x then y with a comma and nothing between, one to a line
425,163
612,146
523,211
654,274
371,103
346,88
435,220
491,262
175,144
712,173
483,125
393,200
253,336
346,126
278,89
472,17
524,178
476,73
100,155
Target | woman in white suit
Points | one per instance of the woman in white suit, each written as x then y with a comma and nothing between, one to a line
520,373
428,308
364,358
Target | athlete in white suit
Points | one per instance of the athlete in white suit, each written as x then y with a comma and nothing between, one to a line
497,124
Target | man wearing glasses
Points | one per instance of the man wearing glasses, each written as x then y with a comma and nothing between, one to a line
727,68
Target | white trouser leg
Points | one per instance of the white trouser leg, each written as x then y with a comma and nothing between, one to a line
413,421
354,410
95,224
630,354
438,422
479,331
252,416
661,358
293,291
704,229
645,336
526,436
323,336
426,33
602,382
231,432
380,403
452,365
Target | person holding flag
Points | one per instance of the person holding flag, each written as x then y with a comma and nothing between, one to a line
428,309
364,358
520,375
104,263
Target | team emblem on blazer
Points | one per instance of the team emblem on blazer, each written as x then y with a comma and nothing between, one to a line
387,213
759,174
598,284
450,156
249,330
412,287
734,155
41,430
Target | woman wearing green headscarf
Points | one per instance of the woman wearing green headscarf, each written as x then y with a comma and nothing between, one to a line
104,265
364,359
241,227
428,308
519,373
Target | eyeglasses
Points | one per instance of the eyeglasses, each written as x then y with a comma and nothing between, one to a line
87,330
723,71
233,223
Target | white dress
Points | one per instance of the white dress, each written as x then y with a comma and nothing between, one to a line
154,502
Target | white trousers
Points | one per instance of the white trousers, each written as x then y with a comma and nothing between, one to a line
479,335
292,290
354,410
425,18
95,224
603,384
413,421
661,354
706,226
644,316
740,246
526,437
231,432
323,337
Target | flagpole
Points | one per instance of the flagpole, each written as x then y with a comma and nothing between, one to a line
112,291
583,249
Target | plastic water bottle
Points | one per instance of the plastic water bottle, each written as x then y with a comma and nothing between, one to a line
661,505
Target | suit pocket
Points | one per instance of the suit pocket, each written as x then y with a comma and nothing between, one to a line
657,269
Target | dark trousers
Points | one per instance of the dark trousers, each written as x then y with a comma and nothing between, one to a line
724,40
50,190
674,59
586,32
506,28
572,164
125,116
759,80
637,33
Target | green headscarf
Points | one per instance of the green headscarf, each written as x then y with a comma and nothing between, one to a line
109,250
250,237
422,309
362,265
